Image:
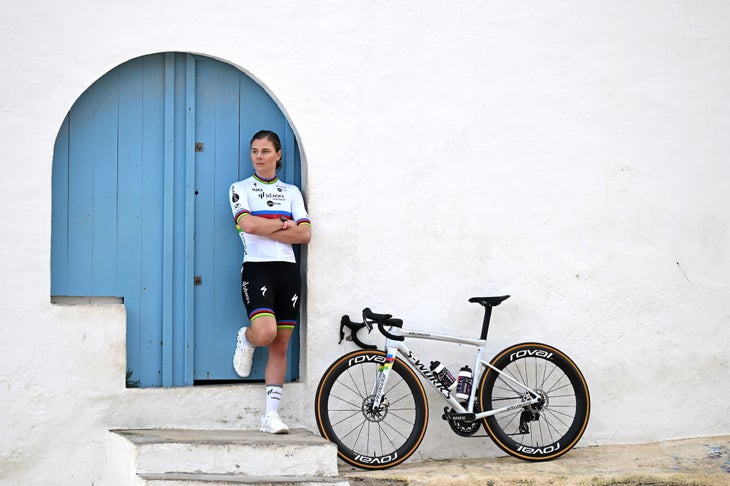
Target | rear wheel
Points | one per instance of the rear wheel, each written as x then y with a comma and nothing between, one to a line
549,428
369,437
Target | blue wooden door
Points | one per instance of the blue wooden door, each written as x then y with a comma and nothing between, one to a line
141,171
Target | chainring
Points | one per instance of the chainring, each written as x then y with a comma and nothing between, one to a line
464,428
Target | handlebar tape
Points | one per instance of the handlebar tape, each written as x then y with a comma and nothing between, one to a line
394,323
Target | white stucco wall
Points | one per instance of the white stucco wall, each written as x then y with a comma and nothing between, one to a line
572,154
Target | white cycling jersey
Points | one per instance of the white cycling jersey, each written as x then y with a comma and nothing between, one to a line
268,199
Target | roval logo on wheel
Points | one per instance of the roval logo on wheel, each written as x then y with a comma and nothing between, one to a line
377,460
530,352
366,357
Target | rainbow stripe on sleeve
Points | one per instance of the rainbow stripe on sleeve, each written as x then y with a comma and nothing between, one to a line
239,214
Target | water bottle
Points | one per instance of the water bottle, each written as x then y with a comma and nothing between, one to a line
443,375
463,384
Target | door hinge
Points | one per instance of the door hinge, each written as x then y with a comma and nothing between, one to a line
197,280
199,146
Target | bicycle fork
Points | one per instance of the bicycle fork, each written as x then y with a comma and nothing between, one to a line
382,379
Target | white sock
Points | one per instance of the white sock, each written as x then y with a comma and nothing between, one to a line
273,397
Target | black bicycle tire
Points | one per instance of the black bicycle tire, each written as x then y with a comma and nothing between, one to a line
495,425
399,371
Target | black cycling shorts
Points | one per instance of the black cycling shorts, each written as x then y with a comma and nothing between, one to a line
272,289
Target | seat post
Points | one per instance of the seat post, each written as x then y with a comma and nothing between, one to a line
485,323
488,303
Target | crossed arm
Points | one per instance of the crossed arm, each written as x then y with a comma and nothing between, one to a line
284,232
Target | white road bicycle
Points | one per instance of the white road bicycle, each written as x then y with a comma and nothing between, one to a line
531,398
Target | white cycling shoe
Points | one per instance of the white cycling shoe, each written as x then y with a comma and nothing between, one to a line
243,357
271,423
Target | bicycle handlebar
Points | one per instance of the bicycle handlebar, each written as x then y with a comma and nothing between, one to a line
368,314
368,318
354,328
384,320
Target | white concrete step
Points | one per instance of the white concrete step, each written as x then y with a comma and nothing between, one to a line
207,457
172,479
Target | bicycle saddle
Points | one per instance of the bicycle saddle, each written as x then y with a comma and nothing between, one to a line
493,301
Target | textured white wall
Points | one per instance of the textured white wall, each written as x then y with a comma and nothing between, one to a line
572,154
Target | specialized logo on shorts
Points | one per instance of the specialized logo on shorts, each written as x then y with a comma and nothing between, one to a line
244,289
263,291
294,301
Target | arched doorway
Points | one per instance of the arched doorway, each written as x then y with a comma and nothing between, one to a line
141,170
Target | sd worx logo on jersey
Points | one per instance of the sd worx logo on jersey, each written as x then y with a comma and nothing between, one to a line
263,195
272,199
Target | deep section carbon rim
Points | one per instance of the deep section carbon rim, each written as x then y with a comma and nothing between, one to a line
544,430
366,436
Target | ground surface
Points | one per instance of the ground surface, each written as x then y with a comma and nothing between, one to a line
702,461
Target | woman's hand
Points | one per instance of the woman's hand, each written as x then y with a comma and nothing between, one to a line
291,232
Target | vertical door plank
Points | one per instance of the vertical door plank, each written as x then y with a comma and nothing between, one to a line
230,314
152,220
168,236
179,222
189,265
59,217
80,205
104,188
129,221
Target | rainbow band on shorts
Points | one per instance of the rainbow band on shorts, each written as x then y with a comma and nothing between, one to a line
285,324
261,312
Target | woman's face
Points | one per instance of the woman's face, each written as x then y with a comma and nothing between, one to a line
264,157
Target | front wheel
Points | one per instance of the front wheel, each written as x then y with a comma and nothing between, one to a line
544,430
368,437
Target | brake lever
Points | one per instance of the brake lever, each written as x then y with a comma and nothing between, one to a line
354,327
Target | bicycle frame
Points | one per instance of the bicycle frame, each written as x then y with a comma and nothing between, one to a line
392,347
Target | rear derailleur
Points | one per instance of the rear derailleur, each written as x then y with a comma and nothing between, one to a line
531,413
